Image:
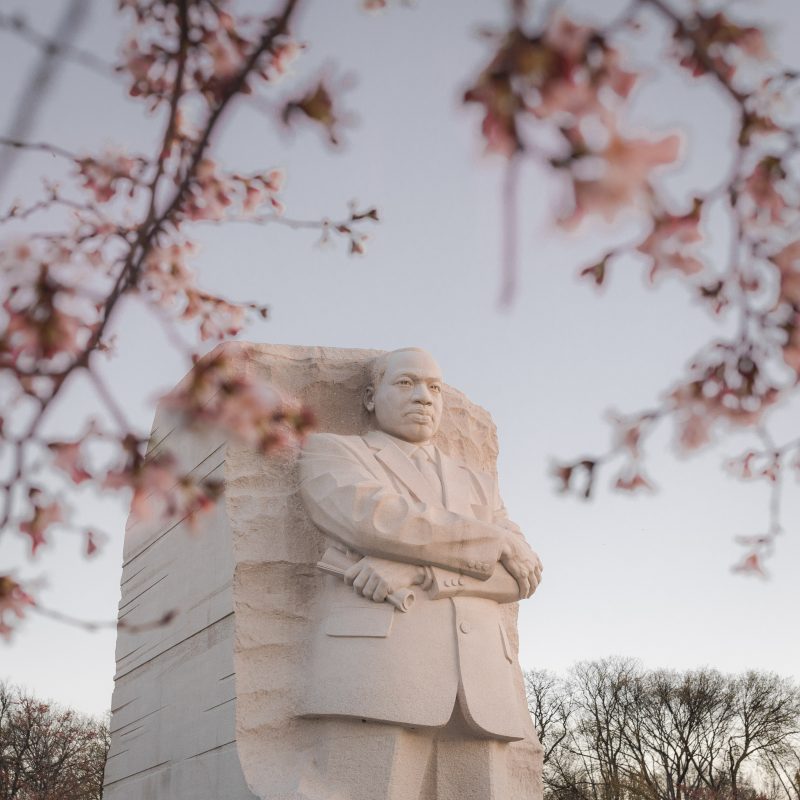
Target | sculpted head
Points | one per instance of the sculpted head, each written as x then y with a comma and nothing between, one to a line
405,394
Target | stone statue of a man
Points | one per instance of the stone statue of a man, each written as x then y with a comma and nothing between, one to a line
418,697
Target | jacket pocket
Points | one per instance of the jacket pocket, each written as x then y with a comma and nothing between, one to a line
506,644
364,621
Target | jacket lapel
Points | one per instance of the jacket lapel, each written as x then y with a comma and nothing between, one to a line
457,489
399,464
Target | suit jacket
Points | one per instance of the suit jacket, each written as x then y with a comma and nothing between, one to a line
369,661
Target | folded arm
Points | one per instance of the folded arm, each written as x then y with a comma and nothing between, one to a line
521,562
349,503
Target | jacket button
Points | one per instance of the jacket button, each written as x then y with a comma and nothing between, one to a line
465,627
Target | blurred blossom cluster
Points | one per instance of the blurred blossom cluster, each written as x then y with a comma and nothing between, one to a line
128,227
559,94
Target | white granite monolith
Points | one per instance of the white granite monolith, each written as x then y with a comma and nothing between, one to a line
213,705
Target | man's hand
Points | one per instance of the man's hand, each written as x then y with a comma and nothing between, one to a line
377,578
523,564
508,525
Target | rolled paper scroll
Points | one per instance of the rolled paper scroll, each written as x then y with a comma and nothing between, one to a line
335,562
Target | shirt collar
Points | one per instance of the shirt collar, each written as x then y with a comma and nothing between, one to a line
409,448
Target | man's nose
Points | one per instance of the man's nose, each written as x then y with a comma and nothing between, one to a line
422,394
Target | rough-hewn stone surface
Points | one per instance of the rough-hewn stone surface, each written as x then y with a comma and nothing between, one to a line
173,717
223,678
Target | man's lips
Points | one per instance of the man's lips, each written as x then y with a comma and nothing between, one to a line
419,416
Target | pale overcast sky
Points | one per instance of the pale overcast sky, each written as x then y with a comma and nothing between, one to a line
645,576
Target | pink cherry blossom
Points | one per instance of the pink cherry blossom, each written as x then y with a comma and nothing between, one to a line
14,601
722,31
632,481
160,490
742,467
91,543
751,565
105,176
43,516
226,62
788,262
68,457
40,331
726,385
629,431
273,181
791,347
621,81
222,393
725,44
149,479
626,166
761,187
671,244
281,58
568,38
571,97
500,134
695,430
219,319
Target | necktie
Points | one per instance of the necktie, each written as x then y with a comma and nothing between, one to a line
423,463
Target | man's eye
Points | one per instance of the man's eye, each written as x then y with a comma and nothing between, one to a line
436,388
404,382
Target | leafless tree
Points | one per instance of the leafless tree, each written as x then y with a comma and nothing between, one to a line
550,707
673,718
47,752
767,709
783,769
614,731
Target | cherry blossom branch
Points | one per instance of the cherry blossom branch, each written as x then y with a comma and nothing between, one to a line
345,227
45,147
545,84
682,31
510,235
310,224
109,400
769,463
274,29
95,625
18,214
202,59
177,94
18,25
154,224
579,476
35,89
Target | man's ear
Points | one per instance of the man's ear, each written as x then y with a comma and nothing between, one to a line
369,398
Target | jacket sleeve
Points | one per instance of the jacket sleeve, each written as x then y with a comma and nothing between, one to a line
347,502
500,587
499,513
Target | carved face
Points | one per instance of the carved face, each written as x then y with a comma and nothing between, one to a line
407,400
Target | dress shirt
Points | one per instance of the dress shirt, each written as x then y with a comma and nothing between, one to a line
424,458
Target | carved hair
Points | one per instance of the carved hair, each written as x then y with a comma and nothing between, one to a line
377,369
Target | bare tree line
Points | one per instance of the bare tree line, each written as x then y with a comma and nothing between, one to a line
48,752
612,730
